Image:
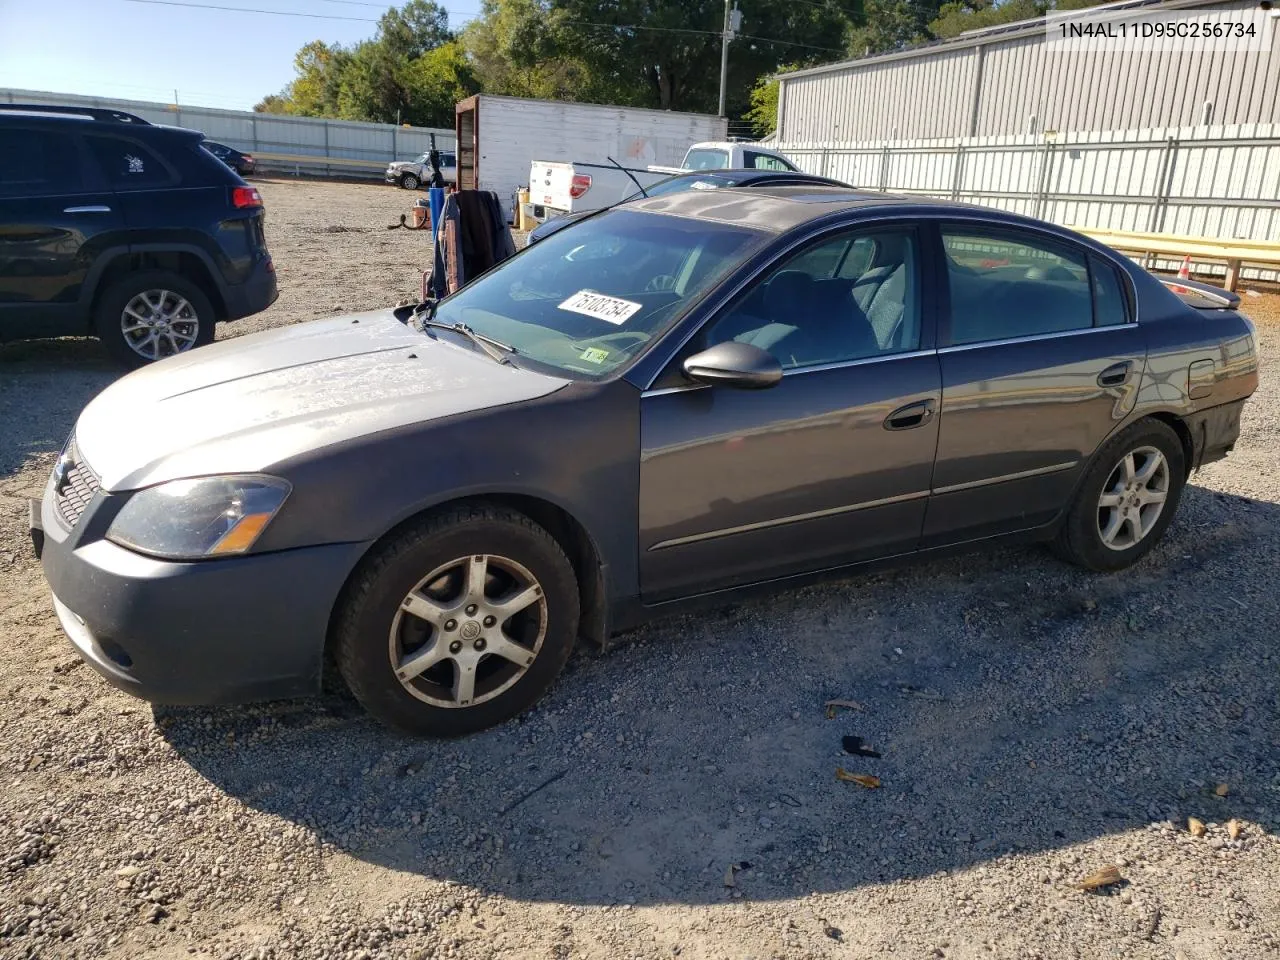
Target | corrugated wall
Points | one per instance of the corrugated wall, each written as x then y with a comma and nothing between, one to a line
1017,85
374,144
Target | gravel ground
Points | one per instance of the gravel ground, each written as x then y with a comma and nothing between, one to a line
1036,724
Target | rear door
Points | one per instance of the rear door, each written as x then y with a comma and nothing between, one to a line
1040,360
56,216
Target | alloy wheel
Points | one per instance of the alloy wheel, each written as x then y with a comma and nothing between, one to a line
1133,498
468,631
159,323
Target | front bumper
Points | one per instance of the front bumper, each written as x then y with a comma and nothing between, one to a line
255,294
213,632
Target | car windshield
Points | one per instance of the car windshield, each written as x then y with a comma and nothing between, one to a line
706,159
587,300
679,183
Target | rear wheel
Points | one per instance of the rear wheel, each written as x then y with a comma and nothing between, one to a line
409,181
458,623
150,315
1127,499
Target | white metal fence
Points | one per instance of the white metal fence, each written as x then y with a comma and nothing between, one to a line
1215,182
284,143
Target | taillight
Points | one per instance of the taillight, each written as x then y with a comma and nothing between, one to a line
242,197
581,184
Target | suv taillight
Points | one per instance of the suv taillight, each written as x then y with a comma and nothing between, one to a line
581,184
242,197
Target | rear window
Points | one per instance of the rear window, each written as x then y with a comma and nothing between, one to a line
128,165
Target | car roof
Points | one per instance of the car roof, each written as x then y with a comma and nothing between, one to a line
775,209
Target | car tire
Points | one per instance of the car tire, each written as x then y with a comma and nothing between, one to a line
1118,531
189,325
410,602
409,181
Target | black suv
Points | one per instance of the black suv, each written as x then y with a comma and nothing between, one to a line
119,228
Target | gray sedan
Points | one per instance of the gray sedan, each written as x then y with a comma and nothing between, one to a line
677,400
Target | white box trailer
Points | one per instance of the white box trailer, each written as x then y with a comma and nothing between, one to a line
500,137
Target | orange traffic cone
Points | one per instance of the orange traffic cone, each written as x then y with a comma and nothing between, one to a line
1184,273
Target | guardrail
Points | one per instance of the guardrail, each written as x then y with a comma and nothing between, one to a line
299,161
1234,253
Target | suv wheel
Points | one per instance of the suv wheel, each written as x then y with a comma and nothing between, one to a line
1127,499
409,181
458,623
151,315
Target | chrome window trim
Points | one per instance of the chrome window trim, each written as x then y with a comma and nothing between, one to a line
1021,475
795,371
783,521
1029,338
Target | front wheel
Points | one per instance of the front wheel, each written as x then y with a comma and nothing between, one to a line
1127,499
410,182
458,623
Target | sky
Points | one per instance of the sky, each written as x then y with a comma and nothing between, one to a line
146,51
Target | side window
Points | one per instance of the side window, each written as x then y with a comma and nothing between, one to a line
762,161
38,163
129,165
849,297
448,160
1006,284
1109,304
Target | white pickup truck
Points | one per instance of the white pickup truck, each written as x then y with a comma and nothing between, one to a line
560,188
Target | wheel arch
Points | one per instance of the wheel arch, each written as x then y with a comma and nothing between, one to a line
573,537
190,263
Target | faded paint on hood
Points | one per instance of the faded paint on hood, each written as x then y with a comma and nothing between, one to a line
243,405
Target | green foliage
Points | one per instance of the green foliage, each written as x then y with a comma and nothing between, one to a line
414,68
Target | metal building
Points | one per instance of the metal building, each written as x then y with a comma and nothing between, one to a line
1005,80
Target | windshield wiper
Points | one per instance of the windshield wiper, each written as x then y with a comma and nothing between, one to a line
488,344
643,192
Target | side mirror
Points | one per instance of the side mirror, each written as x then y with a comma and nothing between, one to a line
734,364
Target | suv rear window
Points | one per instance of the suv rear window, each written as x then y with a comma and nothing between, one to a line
128,164
37,163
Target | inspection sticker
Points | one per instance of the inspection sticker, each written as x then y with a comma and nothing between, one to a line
594,355
601,306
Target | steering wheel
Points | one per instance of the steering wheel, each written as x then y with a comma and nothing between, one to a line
660,284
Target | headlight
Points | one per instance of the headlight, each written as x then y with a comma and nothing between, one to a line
193,519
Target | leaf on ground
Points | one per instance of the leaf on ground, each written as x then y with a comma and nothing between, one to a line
861,779
1101,878
834,706
1196,828
1221,790
1234,829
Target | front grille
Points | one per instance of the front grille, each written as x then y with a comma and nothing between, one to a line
76,487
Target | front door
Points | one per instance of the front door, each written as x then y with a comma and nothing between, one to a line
829,466
53,220
1040,361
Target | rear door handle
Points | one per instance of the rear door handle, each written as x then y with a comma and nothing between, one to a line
912,415
92,208
1114,375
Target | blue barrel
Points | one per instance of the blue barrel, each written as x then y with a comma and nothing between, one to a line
435,196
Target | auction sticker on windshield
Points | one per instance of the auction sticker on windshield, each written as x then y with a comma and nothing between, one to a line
601,306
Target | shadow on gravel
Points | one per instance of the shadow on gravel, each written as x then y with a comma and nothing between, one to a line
44,384
1020,705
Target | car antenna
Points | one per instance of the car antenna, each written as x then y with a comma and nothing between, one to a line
643,192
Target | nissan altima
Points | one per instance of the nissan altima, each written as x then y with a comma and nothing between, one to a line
681,399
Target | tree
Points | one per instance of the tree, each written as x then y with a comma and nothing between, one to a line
414,29
435,82
892,25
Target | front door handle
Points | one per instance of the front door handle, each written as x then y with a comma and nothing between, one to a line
912,415
92,208
1114,375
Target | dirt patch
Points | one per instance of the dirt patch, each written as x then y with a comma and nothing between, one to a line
1035,724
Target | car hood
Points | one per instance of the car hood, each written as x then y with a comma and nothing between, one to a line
243,405
400,164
